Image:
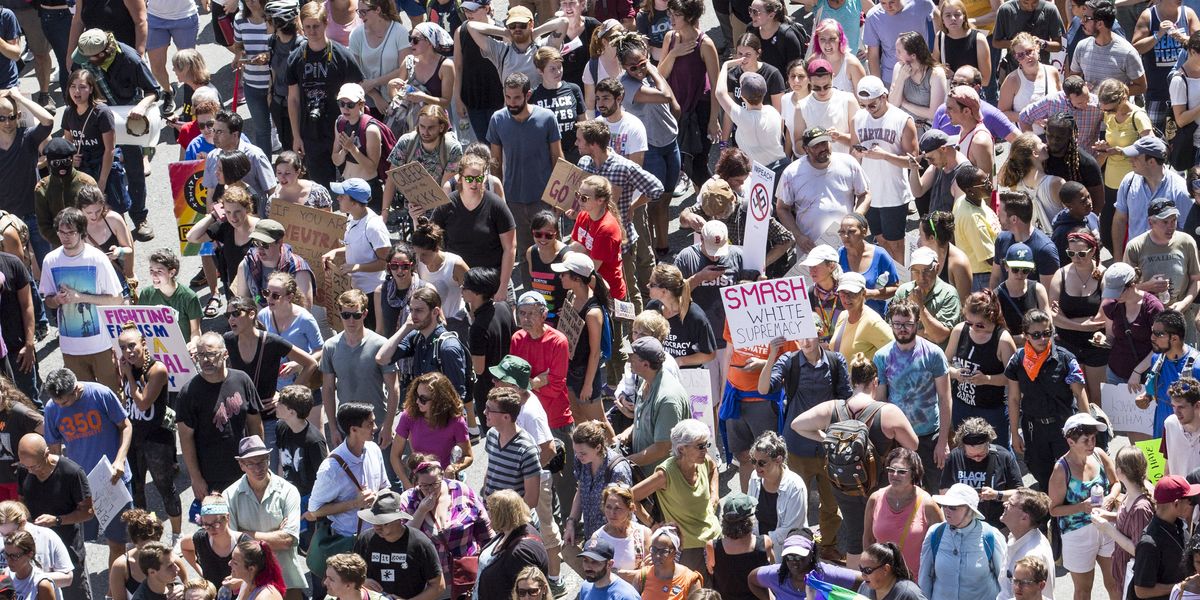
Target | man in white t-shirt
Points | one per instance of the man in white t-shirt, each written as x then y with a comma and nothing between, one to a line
76,278
1181,430
626,131
759,127
883,138
367,243
815,192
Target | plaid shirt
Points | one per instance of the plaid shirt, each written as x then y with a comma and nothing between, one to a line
630,178
1087,120
469,527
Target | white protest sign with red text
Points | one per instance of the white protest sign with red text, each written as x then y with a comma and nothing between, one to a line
761,311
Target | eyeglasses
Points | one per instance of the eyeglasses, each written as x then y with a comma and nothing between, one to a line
904,325
1079,253
13,555
475,178
1086,18
401,266
528,592
1020,270
1158,333
347,104
351,316
543,235
273,295
5,119
213,355
896,471
517,26
1039,335
1023,582
423,399
364,10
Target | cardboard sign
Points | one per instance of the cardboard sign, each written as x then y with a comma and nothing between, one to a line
1123,412
108,499
570,323
191,200
420,189
164,338
761,311
564,182
698,383
312,232
760,203
1156,463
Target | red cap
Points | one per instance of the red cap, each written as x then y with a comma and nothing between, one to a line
819,66
1173,487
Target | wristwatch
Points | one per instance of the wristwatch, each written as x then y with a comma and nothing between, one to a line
57,521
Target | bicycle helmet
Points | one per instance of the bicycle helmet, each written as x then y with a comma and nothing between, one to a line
283,10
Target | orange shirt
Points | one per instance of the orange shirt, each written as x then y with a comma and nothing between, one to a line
747,381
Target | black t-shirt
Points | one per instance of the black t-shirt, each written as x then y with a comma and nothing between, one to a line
145,593
782,48
217,412
708,294
300,454
998,470
281,52
776,84
1159,556
87,130
403,568
16,422
148,425
490,337
566,103
475,234
12,318
230,253
1089,170
319,76
690,335
18,169
575,53
60,494
263,366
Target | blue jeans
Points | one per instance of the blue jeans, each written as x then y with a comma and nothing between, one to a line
27,382
663,163
135,175
260,118
56,26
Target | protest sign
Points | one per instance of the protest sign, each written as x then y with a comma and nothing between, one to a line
191,200
1156,463
108,499
761,311
1123,412
698,384
422,192
160,326
759,206
570,323
311,232
564,182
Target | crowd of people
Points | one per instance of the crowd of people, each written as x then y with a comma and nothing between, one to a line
988,241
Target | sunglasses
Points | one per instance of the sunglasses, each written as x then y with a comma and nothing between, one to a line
402,266
528,592
1078,253
205,124
1021,270
423,399
61,162
703,446
1039,335
5,119
210,524
896,471
977,324
1158,333
517,26
347,104
412,40
1023,582
233,314
13,555
272,295
820,88
259,244
760,463
869,570
348,316
475,178
543,235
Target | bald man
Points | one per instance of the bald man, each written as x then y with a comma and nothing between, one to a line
59,498
215,411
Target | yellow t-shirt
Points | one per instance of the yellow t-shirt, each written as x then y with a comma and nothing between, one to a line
868,335
976,9
975,231
1120,135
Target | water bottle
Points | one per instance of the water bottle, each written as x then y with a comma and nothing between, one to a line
1097,494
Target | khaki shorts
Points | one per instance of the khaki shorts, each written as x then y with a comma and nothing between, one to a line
551,537
31,26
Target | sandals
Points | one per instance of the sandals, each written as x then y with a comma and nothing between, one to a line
213,307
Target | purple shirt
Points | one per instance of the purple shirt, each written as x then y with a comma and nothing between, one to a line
768,577
438,442
993,118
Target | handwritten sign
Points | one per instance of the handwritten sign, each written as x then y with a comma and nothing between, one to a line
160,326
564,182
108,499
191,200
698,384
761,311
311,232
570,323
420,189
1121,407
1156,463
759,205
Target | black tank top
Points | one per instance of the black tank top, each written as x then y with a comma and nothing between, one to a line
960,52
110,15
215,566
481,87
549,283
982,358
583,347
1076,307
729,576
1014,308
148,425
131,584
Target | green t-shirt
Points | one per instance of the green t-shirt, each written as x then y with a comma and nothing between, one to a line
942,301
184,301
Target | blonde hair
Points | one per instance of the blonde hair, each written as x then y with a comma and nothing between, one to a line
190,60
959,4
604,189
508,510
1111,90
203,585
14,511
1027,39
653,323
534,574
546,55
237,193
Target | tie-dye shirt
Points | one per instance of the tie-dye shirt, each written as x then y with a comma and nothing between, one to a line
909,377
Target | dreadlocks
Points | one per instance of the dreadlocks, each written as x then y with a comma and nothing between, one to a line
629,42
1066,119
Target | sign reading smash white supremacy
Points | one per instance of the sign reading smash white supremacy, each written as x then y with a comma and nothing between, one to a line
761,311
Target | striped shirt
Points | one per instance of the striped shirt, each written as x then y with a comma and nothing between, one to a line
510,465
628,178
253,37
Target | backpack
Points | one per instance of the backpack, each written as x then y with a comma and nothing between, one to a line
849,452
387,139
606,338
437,358
989,546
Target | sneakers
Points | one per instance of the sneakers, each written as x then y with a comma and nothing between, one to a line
44,100
143,232
168,103
558,588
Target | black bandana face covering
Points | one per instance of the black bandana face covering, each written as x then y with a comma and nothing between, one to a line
61,166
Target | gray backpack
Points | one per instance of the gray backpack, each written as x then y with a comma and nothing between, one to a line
849,453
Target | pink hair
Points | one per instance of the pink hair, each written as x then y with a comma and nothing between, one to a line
825,24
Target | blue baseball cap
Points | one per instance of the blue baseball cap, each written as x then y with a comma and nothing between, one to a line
1020,256
357,189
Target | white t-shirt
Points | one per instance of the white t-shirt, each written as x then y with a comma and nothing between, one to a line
1183,448
889,183
381,59
1185,92
51,551
832,114
759,133
534,421
363,237
171,10
443,281
821,197
80,331
627,136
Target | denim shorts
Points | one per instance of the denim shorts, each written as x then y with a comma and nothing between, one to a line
161,32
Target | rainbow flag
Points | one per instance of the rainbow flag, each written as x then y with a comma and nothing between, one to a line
827,591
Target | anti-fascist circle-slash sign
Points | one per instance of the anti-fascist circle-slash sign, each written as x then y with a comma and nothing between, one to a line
760,202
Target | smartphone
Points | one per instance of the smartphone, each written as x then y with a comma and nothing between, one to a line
859,147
